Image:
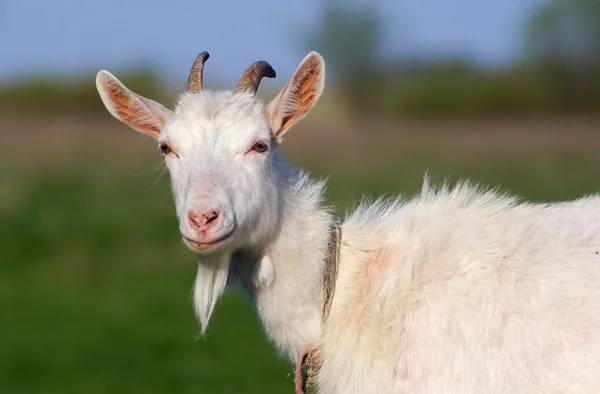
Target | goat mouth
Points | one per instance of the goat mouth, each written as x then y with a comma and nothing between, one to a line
206,246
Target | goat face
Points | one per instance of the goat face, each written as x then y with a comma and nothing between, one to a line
220,153
220,149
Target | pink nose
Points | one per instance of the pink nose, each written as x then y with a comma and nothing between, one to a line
203,221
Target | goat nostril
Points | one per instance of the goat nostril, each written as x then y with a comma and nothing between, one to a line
193,219
211,216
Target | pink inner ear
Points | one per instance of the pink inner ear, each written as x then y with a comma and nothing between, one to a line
297,97
133,111
307,88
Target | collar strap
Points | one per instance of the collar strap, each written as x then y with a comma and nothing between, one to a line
331,268
309,364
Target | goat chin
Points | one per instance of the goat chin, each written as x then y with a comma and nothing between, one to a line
211,279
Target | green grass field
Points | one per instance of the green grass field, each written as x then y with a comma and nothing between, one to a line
95,283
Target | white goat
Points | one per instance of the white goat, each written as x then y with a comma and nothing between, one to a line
455,291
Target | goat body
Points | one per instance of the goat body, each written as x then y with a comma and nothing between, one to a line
464,291
457,290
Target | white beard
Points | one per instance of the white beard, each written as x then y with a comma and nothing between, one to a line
211,279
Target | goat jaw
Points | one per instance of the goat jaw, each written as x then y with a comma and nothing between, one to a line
211,279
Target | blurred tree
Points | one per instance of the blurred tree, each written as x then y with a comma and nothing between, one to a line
562,42
566,31
350,36
50,94
560,74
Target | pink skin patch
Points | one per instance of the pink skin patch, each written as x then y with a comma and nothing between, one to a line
380,263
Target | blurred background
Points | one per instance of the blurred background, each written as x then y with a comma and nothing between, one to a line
95,283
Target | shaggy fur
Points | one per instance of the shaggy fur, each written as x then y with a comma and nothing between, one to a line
464,290
456,290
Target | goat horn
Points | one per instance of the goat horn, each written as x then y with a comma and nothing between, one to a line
194,83
251,77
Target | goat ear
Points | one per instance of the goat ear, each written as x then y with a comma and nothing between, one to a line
298,96
139,113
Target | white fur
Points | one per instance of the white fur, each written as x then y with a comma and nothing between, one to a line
465,290
457,290
210,283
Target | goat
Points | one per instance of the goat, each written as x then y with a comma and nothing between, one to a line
456,290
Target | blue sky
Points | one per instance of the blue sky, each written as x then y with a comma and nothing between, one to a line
69,37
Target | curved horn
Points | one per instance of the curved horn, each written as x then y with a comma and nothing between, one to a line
194,83
251,77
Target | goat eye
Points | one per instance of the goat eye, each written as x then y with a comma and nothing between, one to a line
166,149
260,147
